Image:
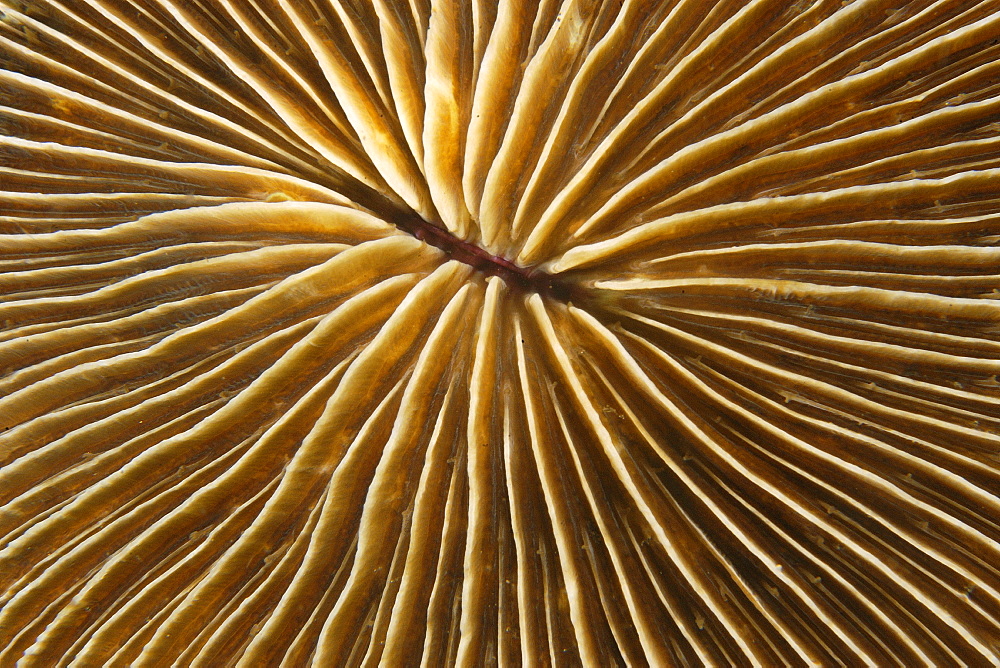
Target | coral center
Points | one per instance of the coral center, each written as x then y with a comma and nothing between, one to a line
525,278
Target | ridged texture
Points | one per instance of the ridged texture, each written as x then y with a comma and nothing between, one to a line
247,419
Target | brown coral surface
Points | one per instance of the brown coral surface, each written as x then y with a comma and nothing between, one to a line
339,332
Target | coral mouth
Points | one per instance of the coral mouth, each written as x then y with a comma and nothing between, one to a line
529,279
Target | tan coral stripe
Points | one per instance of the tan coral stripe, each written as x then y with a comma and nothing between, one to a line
957,596
35,506
690,28
603,604
577,102
811,40
682,19
212,272
312,461
544,75
59,362
217,638
343,500
321,222
420,10
446,110
934,162
863,347
130,647
478,585
338,119
48,180
177,556
161,132
238,574
888,113
866,254
860,349
82,134
496,85
405,65
27,280
267,261
587,176
890,301
314,587
238,178
43,354
551,604
164,56
367,119
887,40
828,571
349,485
647,387
380,619
557,510
860,473
527,598
36,449
260,461
681,616
68,207
864,201
863,405
653,645
38,595
856,471
778,624
209,117
358,19
342,270
484,16
866,407
636,491
752,134
818,158
342,325
125,315
65,419
826,37
334,149
408,618
387,497
52,644
439,642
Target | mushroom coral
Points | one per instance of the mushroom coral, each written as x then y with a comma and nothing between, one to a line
343,332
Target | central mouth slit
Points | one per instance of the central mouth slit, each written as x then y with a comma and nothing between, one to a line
527,279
